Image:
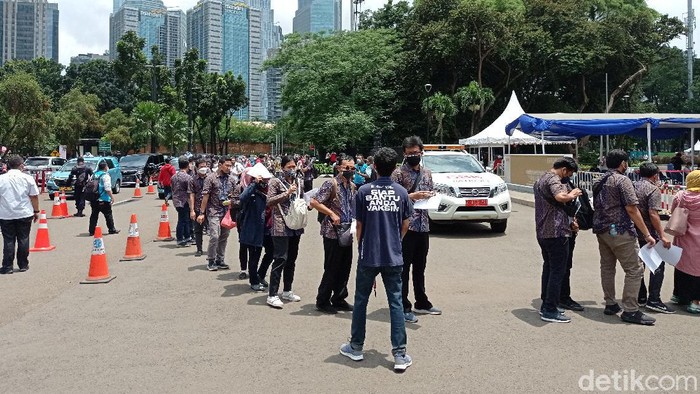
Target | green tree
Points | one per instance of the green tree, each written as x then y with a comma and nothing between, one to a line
47,72
77,117
222,96
98,77
173,130
190,74
23,108
440,107
131,61
118,128
391,16
146,116
473,98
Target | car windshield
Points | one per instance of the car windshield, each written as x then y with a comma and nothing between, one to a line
36,161
441,164
68,166
133,161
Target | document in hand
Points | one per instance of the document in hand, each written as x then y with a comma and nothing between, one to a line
653,257
428,203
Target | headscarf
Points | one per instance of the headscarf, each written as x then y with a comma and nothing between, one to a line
692,181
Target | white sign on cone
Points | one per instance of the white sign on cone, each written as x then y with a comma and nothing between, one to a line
98,247
133,230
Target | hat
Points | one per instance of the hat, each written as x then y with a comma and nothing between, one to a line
259,170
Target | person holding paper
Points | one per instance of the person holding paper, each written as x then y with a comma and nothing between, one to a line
649,197
614,221
334,201
554,231
687,273
418,181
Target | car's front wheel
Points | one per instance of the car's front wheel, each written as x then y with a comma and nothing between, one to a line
117,187
499,227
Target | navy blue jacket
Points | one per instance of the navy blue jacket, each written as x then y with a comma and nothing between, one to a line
251,223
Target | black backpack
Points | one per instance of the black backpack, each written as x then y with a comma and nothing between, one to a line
81,179
92,188
584,215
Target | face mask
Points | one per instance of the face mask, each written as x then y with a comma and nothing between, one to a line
203,170
290,173
348,174
412,160
262,185
565,180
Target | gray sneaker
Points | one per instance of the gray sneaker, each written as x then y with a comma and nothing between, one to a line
354,355
402,361
432,311
257,287
410,317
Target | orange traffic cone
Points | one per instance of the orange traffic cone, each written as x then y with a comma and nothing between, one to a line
64,205
151,188
164,233
133,243
137,190
42,243
99,271
57,211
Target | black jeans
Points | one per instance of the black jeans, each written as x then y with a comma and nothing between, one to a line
337,262
79,199
198,232
15,231
415,253
267,258
183,230
243,254
286,251
565,294
252,258
656,280
106,209
555,253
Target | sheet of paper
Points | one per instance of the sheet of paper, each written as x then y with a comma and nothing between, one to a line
428,203
650,257
309,195
670,256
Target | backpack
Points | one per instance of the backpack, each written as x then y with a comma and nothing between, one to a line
92,188
584,214
81,179
296,217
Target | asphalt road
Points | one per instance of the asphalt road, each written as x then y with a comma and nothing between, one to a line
166,324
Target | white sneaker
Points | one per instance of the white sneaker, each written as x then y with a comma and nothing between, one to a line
290,296
275,302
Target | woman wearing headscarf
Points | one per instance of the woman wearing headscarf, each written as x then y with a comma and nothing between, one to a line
687,273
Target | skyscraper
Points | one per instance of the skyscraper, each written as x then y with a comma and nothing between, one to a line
28,30
152,21
229,35
313,16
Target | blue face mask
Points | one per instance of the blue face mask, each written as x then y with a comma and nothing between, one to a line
290,173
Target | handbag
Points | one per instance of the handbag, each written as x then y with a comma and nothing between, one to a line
296,217
227,222
344,234
678,223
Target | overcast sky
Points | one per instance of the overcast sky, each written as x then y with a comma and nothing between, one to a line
84,24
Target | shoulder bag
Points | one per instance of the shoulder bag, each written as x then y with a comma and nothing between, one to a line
678,223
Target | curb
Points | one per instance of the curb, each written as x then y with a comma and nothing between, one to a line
522,201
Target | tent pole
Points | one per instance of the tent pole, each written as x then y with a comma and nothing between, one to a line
601,147
576,145
649,142
607,144
692,148
508,144
542,137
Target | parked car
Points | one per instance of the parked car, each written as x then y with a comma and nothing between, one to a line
35,165
59,179
140,166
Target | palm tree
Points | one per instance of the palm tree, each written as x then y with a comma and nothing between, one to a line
439,106
173,129
474,98
146,115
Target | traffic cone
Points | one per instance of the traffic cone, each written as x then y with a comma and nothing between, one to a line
133,243
99,270
64,205
42,243
151,188
57,211
137,190
164,233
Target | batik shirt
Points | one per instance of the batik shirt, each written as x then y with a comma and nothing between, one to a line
219,187
649,199
609,204
196,185
340,202
276,198
551,221
180,184
406,177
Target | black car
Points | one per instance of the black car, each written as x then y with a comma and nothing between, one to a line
141,166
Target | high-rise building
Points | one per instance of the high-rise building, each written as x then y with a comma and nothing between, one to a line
117,4
87,57
229,35
152,21
274,90
28,30
313,16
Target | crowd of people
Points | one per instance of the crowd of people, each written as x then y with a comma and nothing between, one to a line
626,218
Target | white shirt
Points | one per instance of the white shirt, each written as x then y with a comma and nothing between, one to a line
15,189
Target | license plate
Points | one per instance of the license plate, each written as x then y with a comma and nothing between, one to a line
477,203
65,188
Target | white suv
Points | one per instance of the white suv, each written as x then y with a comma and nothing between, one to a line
468,191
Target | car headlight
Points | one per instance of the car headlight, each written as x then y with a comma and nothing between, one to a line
500,188
444,189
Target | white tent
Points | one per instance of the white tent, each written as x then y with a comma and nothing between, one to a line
696,148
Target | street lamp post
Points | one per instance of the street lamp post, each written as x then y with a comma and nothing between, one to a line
428,87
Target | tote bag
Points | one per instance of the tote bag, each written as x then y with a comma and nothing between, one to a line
227,221
678,223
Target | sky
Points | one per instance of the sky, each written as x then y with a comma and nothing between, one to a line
84,24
